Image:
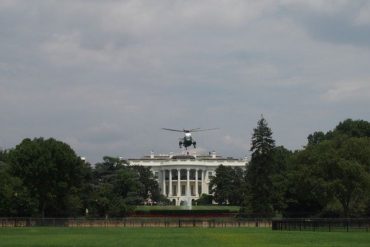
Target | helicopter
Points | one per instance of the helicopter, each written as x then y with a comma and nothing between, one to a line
187,140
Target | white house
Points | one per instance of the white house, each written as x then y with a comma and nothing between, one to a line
184,177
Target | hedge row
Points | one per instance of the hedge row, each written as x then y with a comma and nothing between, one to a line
182,212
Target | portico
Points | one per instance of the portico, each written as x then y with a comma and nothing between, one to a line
184,178
182,184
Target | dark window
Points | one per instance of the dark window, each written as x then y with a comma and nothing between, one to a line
192,174
183,190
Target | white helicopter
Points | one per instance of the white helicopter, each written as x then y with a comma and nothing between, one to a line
187,140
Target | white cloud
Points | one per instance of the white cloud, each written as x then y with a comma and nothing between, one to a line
155,17
348,91
236,142
67,50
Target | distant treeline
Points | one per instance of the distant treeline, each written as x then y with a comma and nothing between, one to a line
45,178
329,177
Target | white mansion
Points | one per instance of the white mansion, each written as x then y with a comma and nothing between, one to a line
183,178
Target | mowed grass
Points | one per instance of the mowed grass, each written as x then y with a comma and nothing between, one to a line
131,237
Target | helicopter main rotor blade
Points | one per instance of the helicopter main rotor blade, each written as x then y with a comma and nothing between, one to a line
195,129
173,130
199,130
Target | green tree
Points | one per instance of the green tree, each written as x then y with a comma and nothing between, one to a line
316,138
14,198
117,188
228,185
262,142
282,161
52,174
259,171
205,199
306,192
127,185
350,185
354,128
346,129
330,178
150,187
2,155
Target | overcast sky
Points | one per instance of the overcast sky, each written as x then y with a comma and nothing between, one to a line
106,76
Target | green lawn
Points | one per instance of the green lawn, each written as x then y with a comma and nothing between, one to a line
189,237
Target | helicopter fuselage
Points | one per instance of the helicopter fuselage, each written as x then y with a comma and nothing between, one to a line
187,141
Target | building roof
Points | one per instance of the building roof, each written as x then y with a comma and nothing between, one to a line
202,157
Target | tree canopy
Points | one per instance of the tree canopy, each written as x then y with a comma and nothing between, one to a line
329,177
118,187
228,185
51,172
45,177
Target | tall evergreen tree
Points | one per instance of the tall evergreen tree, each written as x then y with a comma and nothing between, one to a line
262,142
259,171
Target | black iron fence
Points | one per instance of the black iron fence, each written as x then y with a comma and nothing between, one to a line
346,224
134,222
276,224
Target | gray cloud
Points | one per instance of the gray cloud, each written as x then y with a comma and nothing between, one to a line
106,76
341,22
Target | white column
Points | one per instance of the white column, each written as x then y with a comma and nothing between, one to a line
178,183
202,184
206,182
188,182
164,182
196,182
170,184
